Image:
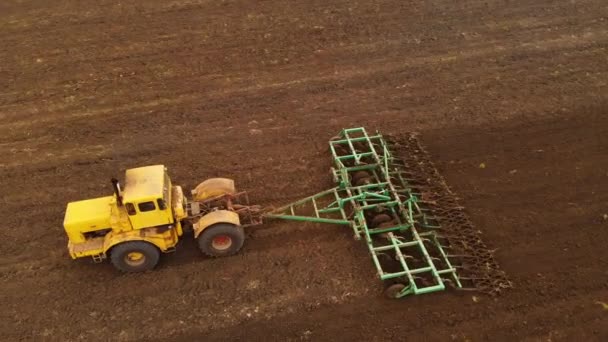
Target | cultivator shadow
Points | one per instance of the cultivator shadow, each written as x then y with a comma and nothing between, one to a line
419,239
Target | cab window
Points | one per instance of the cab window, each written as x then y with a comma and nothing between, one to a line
146,206
161,204
130,209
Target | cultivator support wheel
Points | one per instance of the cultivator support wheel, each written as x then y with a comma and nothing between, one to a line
419,239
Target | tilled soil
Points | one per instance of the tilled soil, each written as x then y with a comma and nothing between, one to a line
509,96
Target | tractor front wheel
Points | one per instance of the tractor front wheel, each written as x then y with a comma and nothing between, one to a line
222,239
134,256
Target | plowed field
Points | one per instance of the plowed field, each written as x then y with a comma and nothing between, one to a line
509,97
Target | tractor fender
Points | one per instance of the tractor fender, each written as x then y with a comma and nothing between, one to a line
213,187
218,216
112,240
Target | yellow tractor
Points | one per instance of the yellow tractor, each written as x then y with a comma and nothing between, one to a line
135,224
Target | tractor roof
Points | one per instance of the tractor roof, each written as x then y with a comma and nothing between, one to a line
144,183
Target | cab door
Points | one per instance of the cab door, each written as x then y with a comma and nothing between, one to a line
148,214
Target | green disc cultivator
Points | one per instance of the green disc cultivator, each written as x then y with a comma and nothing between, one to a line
419,239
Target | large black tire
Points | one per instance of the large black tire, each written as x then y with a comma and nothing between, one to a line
221,239
134,256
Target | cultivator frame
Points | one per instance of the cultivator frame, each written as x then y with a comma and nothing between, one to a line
382,199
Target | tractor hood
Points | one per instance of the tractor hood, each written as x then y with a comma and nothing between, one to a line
87,216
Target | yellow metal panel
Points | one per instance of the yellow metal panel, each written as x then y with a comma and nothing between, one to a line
218,216
177,203
179,228
144,183
120,220
88,248
86,216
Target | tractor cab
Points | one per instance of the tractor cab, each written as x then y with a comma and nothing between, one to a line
147,197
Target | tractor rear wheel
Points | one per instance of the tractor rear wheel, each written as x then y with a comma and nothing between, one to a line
134,256
222,239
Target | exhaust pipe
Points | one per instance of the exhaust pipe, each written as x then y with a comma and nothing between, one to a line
117,191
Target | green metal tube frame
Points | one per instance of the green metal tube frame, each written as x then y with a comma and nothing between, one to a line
388,191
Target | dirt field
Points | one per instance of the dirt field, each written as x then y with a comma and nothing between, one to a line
253,91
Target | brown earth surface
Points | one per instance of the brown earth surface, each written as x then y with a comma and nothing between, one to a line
253,91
